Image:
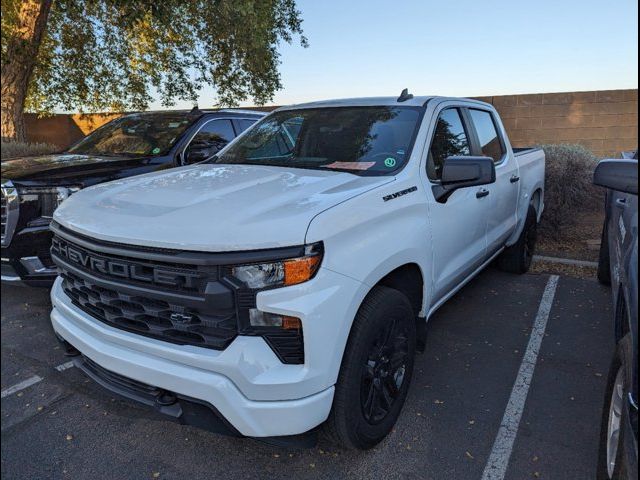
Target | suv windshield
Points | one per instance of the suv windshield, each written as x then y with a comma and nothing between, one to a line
363,140
138,134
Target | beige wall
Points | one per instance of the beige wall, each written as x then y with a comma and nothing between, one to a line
605,121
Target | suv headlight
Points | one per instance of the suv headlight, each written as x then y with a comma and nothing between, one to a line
283,272
49,198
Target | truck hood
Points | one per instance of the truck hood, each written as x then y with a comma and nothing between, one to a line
211,207
69,169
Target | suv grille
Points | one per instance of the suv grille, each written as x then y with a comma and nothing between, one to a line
8,211
3,210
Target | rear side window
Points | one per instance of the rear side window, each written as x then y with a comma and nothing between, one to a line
449,139
490,141
244,123
215,134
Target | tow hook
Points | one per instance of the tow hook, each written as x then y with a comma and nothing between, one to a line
164,398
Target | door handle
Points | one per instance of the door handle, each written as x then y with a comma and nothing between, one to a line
483,192
514,178
621,202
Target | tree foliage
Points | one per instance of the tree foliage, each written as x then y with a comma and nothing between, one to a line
99,55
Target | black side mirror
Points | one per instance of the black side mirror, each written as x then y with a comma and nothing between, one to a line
462,172
620,175
198,152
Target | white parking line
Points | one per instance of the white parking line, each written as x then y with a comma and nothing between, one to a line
32,381
498,462
21,386
64,366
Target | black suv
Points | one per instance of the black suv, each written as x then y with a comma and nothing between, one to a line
618,266
32,187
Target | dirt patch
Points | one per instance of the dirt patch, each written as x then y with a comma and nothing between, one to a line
541,266
578,241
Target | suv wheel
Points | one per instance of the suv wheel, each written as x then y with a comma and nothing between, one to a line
611,461
376,371
604,265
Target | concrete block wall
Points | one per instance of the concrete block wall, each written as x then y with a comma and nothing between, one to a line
606,122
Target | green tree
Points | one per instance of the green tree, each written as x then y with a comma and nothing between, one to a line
97,55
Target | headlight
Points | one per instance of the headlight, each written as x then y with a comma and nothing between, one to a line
49,198
283,272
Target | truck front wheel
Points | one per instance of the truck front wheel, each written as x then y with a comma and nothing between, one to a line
376,371
517,258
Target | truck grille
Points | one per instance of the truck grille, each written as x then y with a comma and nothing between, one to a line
150,298
150,317
188,298
9,211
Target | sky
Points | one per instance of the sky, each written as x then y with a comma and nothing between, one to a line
460,48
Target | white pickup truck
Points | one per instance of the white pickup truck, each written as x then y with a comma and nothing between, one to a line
287,282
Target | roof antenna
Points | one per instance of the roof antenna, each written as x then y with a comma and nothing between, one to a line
405,95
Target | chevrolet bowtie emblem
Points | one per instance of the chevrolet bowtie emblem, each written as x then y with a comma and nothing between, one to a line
181,318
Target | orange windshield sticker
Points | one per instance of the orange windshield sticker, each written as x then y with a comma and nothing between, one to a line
351,165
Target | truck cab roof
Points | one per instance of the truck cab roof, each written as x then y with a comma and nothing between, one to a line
416,101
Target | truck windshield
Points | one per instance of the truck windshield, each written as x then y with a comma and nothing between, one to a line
362,140
142,134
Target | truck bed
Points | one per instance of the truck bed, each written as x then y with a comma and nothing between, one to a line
524,150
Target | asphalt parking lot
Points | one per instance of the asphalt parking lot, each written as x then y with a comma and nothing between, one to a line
64,426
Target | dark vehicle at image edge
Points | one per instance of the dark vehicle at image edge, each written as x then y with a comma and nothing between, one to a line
32,187
618,267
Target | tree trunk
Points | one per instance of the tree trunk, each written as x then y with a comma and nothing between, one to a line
21,54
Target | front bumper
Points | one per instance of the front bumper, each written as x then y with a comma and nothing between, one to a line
27,259
246,383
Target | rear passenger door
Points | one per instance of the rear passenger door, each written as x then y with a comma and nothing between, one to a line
503,194
458,226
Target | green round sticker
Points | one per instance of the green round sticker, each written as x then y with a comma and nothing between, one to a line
155,150
389,162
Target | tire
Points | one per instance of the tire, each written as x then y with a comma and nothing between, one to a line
619,371
517,258
374,369
604,262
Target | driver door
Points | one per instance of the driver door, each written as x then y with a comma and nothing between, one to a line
458,226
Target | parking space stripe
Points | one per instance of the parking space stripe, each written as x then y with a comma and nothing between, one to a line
21,386
32,380
64,366
496,466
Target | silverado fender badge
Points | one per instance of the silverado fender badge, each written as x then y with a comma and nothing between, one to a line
391,196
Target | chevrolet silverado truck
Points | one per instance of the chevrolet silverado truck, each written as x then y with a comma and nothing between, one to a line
32,187
287,282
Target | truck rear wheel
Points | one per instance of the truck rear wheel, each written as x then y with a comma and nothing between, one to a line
517,258
376,371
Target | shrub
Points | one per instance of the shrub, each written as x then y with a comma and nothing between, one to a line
12,149
568,187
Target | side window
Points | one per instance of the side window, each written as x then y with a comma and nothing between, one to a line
490,141
449,139
215,133
211,138
245,123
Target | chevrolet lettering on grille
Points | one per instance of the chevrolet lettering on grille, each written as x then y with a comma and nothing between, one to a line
121,269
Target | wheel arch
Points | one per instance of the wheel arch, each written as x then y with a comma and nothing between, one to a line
408,279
